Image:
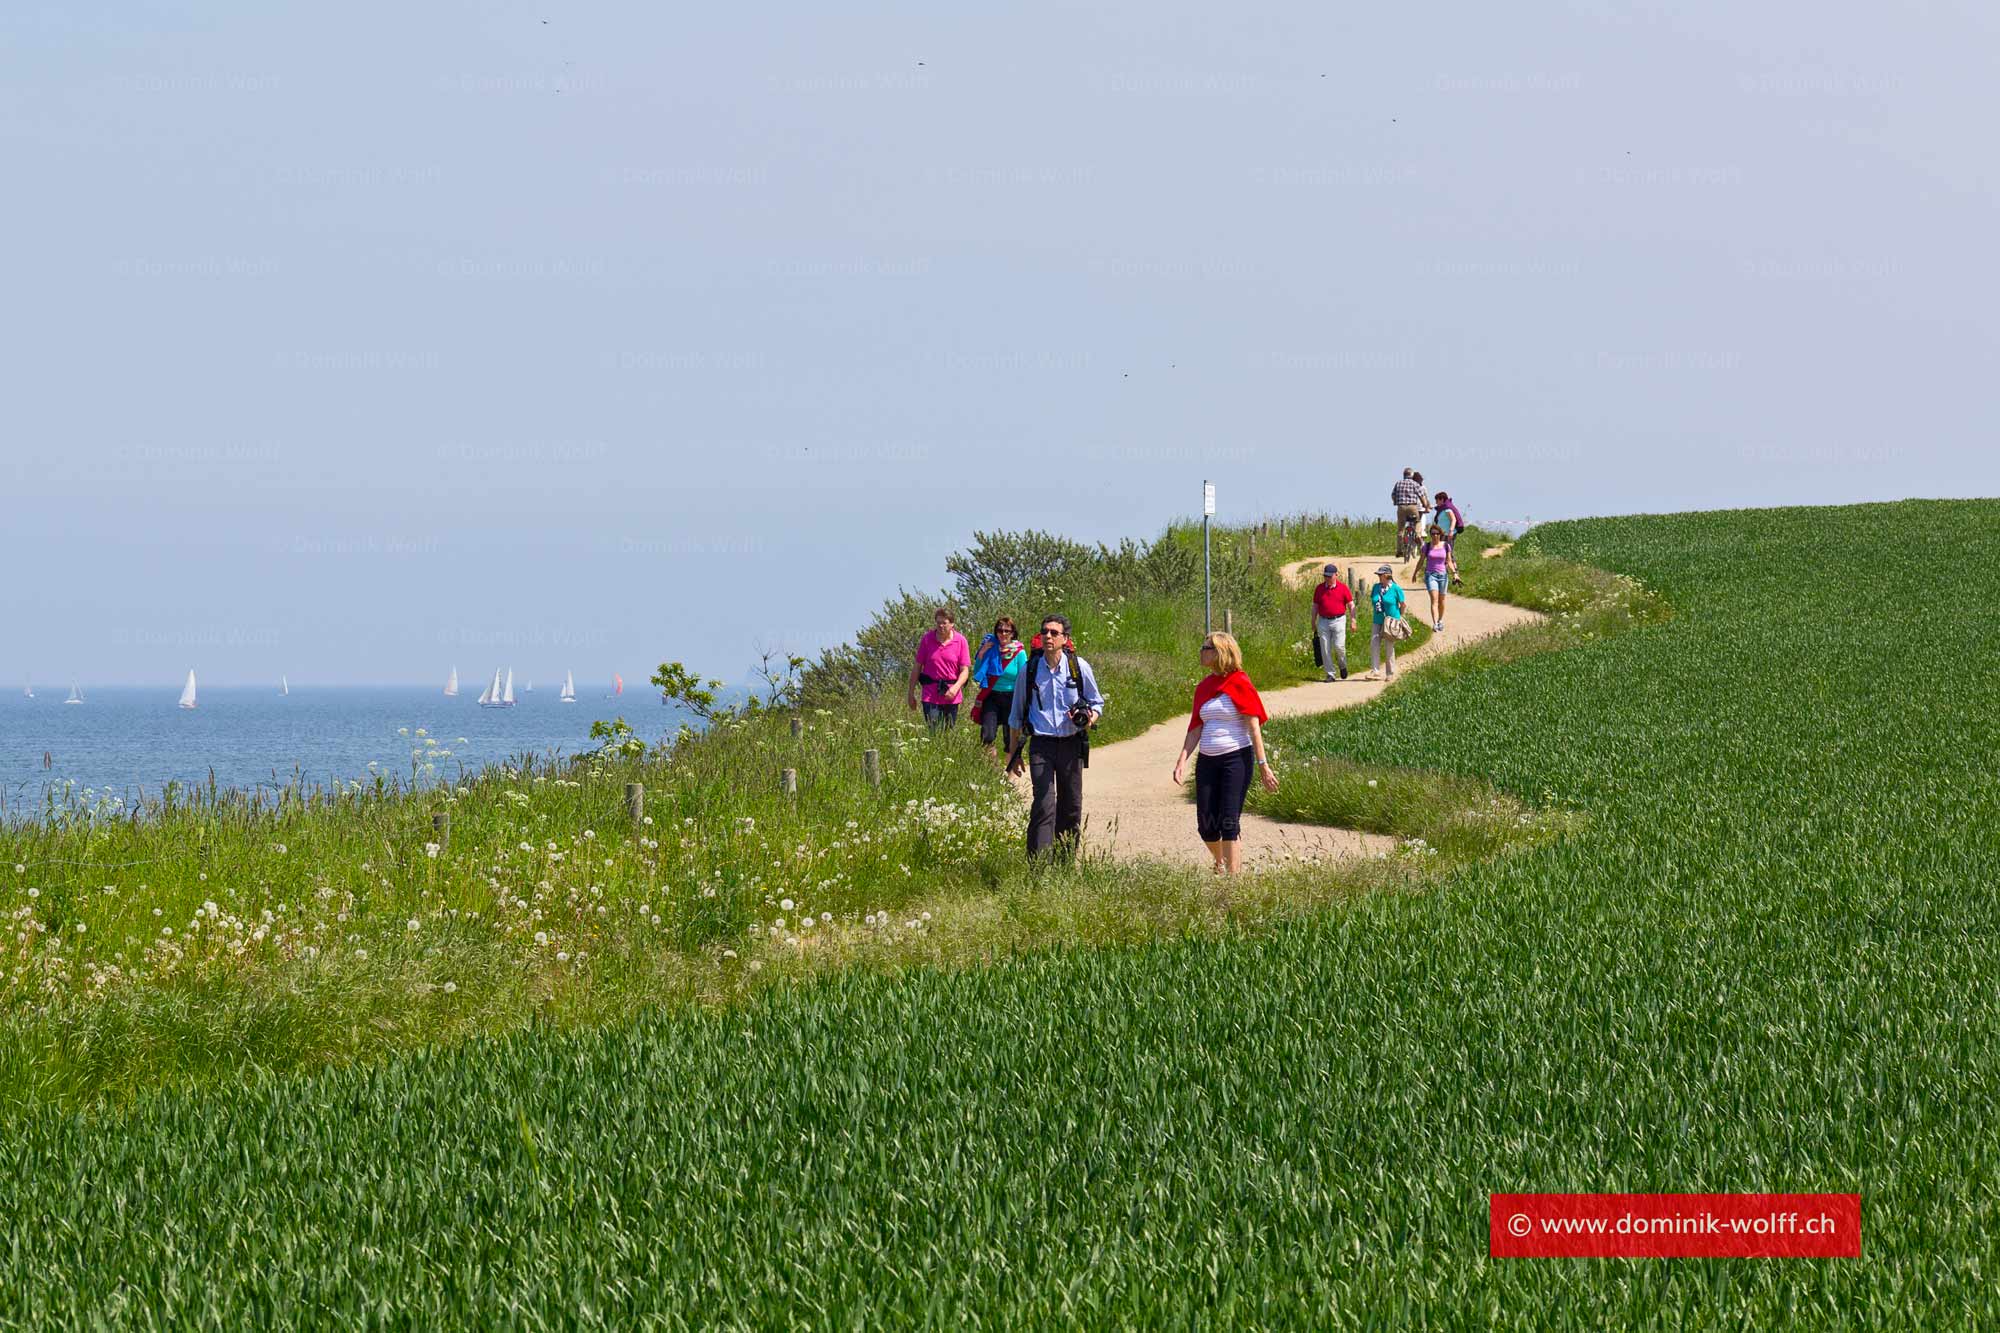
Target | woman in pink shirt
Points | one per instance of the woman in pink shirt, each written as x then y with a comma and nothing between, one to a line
943,665
1439,569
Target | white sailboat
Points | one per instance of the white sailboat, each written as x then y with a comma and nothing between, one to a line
28,689
568,695
284,686
187,691
500,694
75,695
451,686
529,688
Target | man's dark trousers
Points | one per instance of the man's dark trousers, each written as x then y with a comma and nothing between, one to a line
1055,766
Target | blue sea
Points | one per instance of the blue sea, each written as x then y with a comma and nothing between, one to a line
124,740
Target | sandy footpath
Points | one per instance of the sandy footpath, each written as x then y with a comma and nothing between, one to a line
1132,807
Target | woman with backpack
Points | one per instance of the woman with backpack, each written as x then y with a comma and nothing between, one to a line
1390,627
1227,729
996,671
1435,558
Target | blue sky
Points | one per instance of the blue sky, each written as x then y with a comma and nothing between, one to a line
353,342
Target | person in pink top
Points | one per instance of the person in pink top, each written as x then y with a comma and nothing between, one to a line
1439,570
943,665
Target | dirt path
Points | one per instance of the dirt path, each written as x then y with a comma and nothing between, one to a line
1132,807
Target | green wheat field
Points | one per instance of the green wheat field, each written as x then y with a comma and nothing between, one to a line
1695,892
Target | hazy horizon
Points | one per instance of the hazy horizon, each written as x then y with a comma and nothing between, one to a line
350,344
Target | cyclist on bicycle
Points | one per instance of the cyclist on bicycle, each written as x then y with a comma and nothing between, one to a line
1410,501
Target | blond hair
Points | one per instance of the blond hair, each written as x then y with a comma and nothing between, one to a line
1228,654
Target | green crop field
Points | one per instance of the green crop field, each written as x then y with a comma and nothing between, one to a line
1750,947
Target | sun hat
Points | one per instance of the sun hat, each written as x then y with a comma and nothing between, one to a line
1384,569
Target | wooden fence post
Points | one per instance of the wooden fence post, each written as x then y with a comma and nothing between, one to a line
441,829
1251,559
871,767
635,803
798,725
1228,621
788,781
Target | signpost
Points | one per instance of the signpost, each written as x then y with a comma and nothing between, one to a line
1207,512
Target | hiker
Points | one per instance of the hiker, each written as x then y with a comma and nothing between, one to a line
1439,570
1333,602
943,665
1423,497
1227,728
1055,705
1408,497
996,671
1387,599
1449,518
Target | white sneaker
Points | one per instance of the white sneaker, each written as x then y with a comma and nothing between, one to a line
1438,628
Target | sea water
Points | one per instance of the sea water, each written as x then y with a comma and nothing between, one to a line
124,741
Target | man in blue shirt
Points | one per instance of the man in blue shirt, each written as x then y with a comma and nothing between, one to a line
1055,704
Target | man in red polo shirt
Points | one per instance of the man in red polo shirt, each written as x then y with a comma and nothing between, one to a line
1332,603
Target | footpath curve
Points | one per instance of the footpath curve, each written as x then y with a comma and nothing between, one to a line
1135,811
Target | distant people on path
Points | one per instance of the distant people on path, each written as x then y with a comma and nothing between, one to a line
1055,705
1387,599
943,665
995,671
1227,729
1333,603
1439,569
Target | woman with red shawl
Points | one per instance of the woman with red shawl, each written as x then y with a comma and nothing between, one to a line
1227,727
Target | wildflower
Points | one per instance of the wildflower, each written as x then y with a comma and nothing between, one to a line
786,904
82,929
36,893
649,821
563,956
541,937
926,916
422,732
361,954
1373,783
826,918
415,925
451,988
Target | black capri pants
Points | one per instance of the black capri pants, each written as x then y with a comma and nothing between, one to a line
993,716
1220,783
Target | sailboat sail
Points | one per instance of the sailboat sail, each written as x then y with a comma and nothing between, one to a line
284,685
507,695
75,695
28,689
569,687
491,694
618,685
187,692
451,686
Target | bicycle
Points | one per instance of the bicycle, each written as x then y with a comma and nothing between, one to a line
1407,538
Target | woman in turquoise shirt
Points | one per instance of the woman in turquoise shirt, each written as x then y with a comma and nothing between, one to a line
996,672
1387,599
